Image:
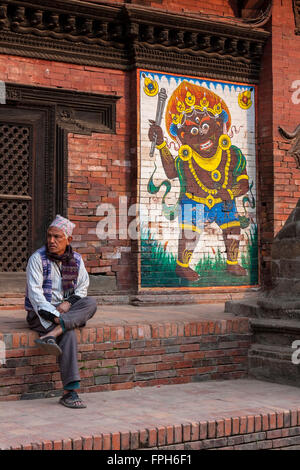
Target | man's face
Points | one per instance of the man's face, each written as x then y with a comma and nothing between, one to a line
57,241
202,133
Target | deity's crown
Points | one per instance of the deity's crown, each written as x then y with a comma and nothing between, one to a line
189,98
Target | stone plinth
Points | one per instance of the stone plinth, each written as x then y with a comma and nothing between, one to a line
275,314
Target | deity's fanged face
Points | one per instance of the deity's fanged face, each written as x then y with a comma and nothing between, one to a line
201,132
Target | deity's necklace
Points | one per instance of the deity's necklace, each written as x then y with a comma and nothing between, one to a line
186,153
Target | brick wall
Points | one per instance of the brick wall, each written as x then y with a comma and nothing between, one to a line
99,166
278,177
122,357
286,112
102,167
265,162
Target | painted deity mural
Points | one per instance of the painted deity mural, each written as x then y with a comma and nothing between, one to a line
197,182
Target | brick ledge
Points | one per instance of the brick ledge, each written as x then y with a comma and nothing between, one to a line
253,432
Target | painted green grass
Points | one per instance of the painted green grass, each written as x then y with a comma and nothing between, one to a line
158,266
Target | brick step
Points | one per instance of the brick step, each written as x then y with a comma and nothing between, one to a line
14,301
11,300
124,347
283,353
237,414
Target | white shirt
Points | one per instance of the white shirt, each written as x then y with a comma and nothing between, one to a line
34,274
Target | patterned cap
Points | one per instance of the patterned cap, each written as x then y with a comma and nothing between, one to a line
63,224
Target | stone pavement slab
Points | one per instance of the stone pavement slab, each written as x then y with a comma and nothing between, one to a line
139,410
15,320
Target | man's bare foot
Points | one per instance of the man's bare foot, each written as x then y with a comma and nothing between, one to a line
57,331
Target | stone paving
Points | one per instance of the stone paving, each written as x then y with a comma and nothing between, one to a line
14,320
165,414
25,422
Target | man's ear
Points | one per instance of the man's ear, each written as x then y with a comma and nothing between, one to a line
70,240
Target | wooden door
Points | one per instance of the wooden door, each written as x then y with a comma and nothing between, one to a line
24,203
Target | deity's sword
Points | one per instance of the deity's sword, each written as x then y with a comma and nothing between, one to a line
162,97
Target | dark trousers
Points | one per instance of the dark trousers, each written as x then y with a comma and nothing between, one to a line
76,317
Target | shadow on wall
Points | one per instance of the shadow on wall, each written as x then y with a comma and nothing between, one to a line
15,283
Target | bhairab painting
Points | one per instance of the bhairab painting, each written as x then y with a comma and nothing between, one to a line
197,182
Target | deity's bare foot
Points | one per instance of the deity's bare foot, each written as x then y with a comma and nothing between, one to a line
236,270
186,273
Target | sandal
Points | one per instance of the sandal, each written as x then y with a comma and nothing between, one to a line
49,345
72,400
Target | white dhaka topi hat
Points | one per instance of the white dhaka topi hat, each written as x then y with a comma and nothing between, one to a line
64,224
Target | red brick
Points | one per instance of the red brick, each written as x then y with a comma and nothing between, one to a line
87,442
161,436
235,425
125,441
143,438
195,432
286,419
250,424
77,443
180,329
152,437
97,442
57,445
67,444
11,353
258,423
211,429
186,432
36,446
27,447
298,414
23,339
106,440
220,428
265,422
279,420
169,435
115,441
227,427
203,429
177,433
274,434
272,420
47,445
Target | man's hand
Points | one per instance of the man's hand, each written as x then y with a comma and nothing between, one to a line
64,307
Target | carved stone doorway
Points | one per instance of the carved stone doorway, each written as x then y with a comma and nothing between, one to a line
34,127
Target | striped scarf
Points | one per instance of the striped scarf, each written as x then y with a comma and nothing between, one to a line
69,269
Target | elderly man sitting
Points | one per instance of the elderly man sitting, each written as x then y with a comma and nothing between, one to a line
57,303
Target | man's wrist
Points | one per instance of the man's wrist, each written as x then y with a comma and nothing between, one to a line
49,316
73,299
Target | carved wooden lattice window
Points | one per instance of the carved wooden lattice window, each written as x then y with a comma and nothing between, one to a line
297,15
15,195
